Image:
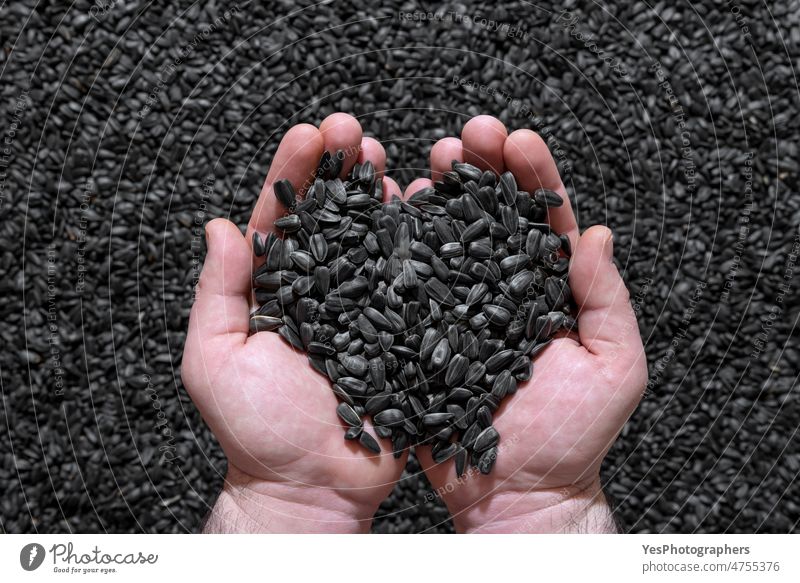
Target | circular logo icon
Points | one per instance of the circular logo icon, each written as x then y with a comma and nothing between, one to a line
31,556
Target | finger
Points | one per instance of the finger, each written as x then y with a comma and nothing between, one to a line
296,160
436,473
372,150
390,189
442,155
528,157
416,186
341,131
221,311
482,140
606,321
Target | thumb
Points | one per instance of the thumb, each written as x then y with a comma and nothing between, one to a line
221,311
606,321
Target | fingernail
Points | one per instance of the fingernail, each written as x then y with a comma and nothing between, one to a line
208,235
608,244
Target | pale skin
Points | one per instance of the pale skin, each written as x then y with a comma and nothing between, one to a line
289,468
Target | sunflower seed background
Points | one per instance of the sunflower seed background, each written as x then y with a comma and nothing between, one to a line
126,128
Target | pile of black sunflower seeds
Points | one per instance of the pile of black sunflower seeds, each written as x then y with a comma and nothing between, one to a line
424,313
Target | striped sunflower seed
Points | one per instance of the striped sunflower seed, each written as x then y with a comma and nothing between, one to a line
456,370
284,192
548,198
288,224
264,324
486,460
390,417
348,415
369,442
486,439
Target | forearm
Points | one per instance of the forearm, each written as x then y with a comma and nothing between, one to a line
570,510
281,508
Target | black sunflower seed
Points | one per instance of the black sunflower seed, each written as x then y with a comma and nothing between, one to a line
436,419
258,245
508,188
502,385
470,435
378,403
514,263
274,255
467,171
366,329
379,320
445,453
288,224
509,215
521,365
456,370
483,416
377,373
399,443
429,343
449,250
341,341
303,285
499,360
355,364
439,292
353,386
554,291
478,321
390,417
348,415
284,192
486,439
440,269
461,458
264,324
303,260
486,460
459,415
270,281
353,288
409,275
480,250
353,433
497,315
475,373
319,247
291,336
440,356
271,308
318,348
520,283
322,279
475,230
341,393
402,241
442,228
548,198
369,442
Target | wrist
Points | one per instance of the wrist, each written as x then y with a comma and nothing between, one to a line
572,509
250,505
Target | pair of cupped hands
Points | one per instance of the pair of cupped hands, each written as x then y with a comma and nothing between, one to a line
289,468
